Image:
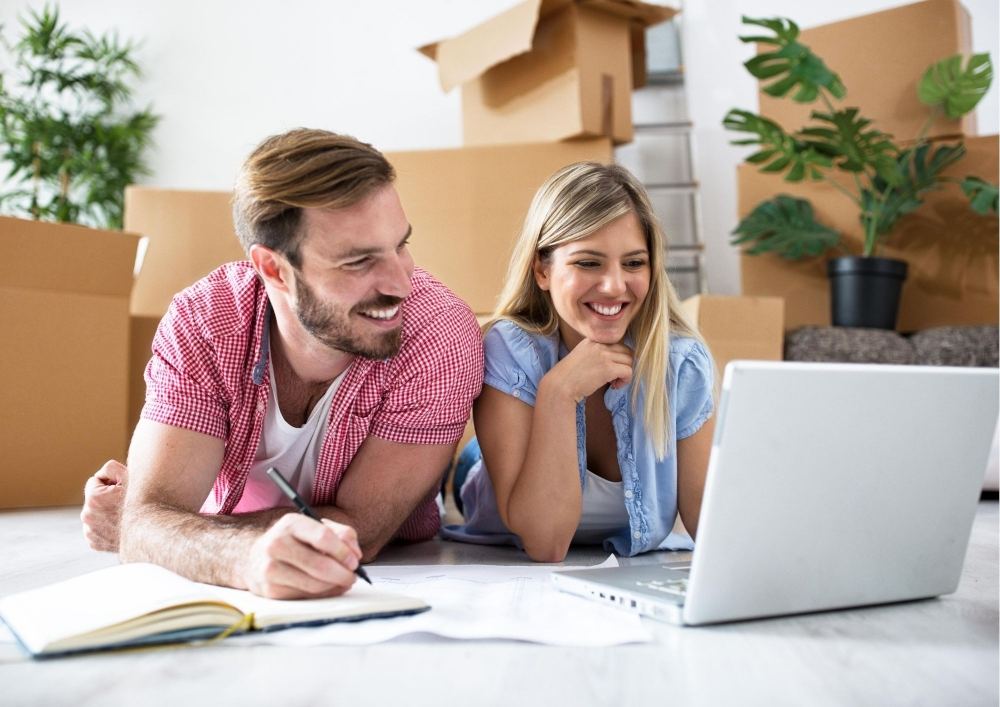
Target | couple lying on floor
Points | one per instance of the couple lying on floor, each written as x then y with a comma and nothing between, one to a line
329,356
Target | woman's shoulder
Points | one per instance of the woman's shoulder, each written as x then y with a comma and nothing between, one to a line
509,339
684,347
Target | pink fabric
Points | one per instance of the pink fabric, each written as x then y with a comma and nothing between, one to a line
209,373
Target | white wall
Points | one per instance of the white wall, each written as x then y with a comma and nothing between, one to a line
224,74
717,81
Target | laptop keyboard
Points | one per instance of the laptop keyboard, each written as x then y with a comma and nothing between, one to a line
673,587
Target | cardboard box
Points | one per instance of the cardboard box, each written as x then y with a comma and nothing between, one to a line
64,297
881,58
190,233
954,264
467,205
140,350
739,327
547,70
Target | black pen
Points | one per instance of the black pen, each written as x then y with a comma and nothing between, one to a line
304,508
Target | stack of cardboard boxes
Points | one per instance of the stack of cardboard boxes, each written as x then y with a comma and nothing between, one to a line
952,252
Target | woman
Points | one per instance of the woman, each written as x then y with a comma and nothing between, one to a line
595,419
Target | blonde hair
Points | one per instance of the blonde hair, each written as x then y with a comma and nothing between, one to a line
572,204
301,169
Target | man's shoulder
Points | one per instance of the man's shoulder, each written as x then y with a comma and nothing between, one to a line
222,302
432,305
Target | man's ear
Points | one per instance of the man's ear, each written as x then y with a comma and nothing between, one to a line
541,272
273,268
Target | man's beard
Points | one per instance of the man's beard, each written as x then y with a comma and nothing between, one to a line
332,327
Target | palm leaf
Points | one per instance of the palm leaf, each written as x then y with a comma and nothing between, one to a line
885,203
956,89
780,152
785,226
983,196
792,64
845,136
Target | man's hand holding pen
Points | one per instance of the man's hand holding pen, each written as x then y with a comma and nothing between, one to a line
299,557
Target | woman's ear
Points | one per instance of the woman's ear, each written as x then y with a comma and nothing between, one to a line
540,268
272,267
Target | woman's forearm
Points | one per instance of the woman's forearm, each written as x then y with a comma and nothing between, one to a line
545,502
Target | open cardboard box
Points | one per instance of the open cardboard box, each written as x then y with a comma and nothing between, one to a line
64,311
547,70
880,58
739,327
952,253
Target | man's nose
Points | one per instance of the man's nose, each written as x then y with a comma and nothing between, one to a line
396,274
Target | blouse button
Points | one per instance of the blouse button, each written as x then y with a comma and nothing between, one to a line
628,493
637,535
517,393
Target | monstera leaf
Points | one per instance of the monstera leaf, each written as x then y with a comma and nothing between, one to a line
779,150
845,136
983,196
956,89
785,226
791,64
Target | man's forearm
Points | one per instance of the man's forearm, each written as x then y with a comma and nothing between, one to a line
374,533
204,548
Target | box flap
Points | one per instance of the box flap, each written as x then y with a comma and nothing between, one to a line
509,34
66,258
644,13
499,38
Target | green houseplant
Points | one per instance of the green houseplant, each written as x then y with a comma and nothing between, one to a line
69,140
886,179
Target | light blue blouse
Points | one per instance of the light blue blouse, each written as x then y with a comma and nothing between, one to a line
516,360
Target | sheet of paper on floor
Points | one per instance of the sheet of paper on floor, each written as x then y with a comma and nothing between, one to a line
512,602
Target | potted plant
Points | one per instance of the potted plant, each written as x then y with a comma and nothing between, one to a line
887,179
69,141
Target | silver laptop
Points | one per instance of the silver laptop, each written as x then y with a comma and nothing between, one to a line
829,486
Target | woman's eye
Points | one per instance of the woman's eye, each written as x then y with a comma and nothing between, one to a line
588,264
635,264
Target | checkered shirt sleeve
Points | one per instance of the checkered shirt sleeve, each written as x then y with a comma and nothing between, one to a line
183,385
434,381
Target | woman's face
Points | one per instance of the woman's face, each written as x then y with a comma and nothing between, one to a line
598,283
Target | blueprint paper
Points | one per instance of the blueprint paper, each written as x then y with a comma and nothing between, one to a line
506,602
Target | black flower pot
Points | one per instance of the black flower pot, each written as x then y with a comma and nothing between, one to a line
864,292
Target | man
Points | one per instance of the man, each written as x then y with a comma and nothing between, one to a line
326,355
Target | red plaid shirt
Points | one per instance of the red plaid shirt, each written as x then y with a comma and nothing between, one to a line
209,373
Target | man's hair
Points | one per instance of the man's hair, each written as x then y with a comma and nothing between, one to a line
297,170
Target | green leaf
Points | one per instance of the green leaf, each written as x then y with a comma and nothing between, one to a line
780,152
69,140
957,90
785,226
884,203
983,196
792,64
845,136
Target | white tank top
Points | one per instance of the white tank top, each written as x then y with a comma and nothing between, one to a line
294,451
603,511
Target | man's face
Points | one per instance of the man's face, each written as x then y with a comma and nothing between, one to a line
355,275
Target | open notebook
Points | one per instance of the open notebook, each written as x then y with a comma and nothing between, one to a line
143,604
